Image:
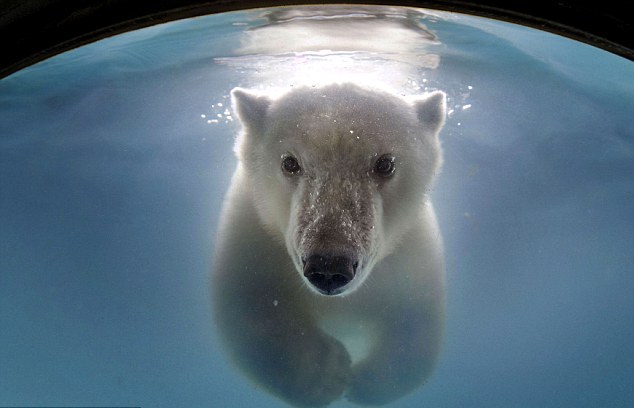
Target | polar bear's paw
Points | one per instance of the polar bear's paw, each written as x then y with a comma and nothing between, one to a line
378,384
321,374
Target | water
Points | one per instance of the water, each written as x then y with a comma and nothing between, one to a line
115,157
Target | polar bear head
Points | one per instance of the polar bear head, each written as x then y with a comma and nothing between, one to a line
338,174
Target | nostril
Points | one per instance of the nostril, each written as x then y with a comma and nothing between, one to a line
329,273
328,282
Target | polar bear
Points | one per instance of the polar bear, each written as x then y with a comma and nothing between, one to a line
328,271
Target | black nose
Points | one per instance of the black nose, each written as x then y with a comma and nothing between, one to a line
328,273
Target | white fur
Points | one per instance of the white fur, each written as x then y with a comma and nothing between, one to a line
379,337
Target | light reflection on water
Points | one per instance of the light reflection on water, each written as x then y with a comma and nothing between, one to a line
111,181
312,46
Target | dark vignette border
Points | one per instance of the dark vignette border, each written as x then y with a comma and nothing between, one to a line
33,30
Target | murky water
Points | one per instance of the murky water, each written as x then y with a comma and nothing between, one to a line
115,158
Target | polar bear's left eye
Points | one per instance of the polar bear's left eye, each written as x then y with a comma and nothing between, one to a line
290,165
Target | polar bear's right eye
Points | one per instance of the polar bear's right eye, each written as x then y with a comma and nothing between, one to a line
290,165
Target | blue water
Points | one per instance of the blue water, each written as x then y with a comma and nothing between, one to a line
115,157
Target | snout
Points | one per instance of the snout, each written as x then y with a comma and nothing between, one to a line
329,273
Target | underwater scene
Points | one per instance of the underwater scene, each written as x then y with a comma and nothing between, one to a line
319,205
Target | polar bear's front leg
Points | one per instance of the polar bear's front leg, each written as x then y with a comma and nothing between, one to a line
404,357
410,321
263,318
279,347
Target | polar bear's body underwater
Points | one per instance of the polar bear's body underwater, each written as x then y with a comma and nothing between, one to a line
328,276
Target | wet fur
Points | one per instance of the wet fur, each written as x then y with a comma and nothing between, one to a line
270,318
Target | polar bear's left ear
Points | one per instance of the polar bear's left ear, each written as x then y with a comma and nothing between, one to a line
251,108
431,110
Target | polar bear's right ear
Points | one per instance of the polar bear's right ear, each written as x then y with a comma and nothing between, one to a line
251,108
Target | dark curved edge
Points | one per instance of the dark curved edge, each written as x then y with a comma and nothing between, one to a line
33,30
